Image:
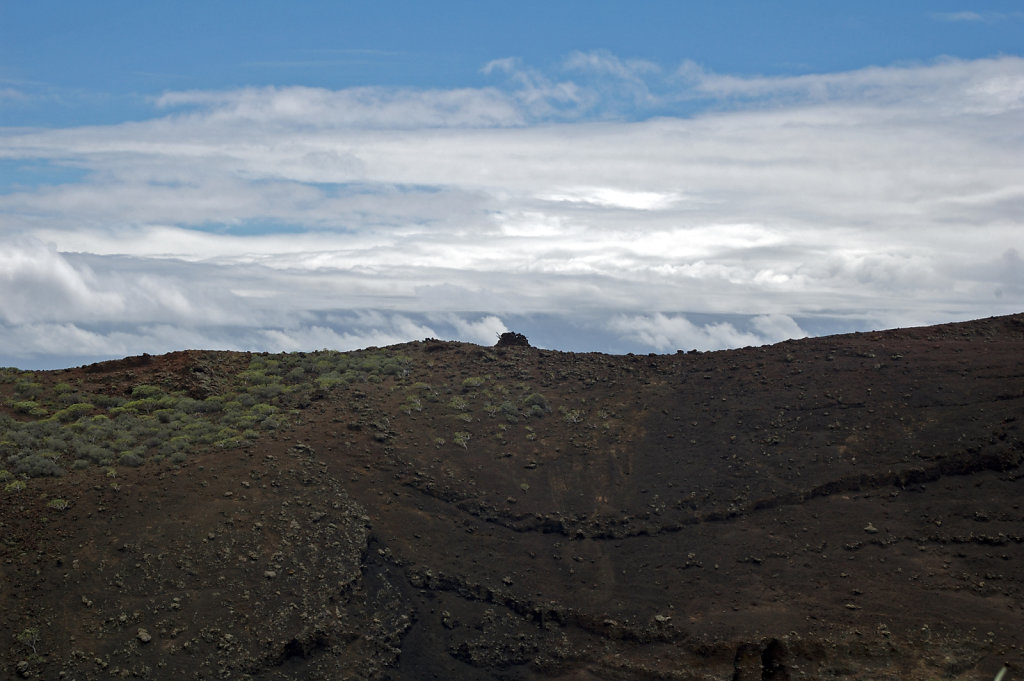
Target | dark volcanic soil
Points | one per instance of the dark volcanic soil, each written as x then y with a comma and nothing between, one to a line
833,508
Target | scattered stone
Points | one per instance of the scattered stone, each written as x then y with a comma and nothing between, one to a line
871,529
269,574
144,636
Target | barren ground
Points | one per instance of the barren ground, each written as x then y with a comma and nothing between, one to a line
845,507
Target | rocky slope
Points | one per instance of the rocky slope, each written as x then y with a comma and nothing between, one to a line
844,507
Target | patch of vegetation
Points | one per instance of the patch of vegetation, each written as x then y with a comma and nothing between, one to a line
572,416
29,638
458,403
29,408
64,428
536,404
472,383
58,504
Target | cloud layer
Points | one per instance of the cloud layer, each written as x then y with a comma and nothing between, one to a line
617,199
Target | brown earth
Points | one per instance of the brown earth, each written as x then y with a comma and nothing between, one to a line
845,507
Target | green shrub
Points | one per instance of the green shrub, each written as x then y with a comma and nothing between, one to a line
572,415
130,458
167,415
263,410
67,399
510,411
201,432
329,380
29,407
14,486
412,404
211,405
177,443
92,452
74,412
256,377
38,466
188,405
107,401
143,391
59,504
536,404
145,405
29,638
265,363
28,388
394,367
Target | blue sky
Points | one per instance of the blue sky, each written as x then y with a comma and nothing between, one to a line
622,177
100,61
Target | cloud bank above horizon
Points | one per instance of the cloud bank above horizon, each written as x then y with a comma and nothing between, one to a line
604,203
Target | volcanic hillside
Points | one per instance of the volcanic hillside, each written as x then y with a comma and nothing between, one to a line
845,507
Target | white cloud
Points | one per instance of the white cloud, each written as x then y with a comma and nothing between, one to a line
888,194
777,327
536,94
676,332
612,197
483,331
957,16
38,283
364,107
12,95
345,333
606,63
970,16
947,87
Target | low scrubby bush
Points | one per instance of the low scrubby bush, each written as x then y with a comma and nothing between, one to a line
536,404
74,412
131,458
38,466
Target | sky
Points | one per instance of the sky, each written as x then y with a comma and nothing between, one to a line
600,176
